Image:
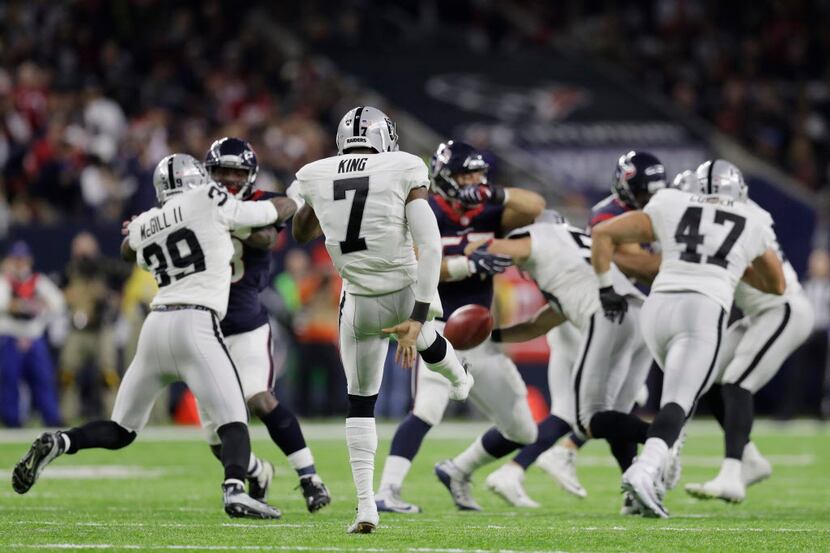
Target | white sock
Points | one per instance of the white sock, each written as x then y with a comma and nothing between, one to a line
254,466
449,367
730,470
362,441
394,471
234,481
473,457
654,453
301,459
66,441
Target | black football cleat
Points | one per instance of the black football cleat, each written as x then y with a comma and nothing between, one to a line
45,449
315,492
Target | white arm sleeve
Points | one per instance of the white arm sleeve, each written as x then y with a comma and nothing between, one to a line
238,214
425,234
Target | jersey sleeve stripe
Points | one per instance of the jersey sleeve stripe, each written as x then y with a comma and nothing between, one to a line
600,217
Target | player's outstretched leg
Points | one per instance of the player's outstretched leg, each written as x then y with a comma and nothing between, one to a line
560,463
508,480
440,357
285,431
362,442
50,445
236,454
455,473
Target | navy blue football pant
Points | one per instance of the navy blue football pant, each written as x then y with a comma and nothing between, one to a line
29,361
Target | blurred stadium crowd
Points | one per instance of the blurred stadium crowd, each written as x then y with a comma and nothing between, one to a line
93,93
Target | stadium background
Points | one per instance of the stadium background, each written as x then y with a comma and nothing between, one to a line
94,93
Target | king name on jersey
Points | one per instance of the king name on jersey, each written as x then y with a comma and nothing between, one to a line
349,165
160,222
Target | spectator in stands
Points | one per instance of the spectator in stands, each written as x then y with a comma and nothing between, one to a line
89,354
28,301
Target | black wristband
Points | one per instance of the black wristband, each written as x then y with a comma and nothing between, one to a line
606,289
498,195
420,311
495,336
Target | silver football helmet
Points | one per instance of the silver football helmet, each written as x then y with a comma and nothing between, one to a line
366,127
685,181
718,176
176,173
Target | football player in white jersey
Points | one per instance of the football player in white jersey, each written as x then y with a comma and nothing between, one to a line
601,361
709,241
370,204
186,244
754,348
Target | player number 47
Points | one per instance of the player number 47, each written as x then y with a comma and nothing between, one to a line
688,233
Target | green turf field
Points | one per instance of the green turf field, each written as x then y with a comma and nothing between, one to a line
162,494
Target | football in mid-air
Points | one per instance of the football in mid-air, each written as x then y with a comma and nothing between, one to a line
468,326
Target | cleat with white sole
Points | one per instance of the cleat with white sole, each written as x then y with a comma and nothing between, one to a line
388,500
507,482
364,522
631,507
560,463
458,484
754,467
640,480
239,504
731,491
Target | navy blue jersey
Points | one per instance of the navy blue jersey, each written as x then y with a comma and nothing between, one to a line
250,268
457,230
608,208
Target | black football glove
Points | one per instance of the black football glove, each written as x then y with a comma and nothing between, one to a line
472,195
483,262
613,304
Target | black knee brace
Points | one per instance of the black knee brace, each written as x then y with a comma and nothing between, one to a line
361,406
436,351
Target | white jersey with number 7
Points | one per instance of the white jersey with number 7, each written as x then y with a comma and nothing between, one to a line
360,201
707,242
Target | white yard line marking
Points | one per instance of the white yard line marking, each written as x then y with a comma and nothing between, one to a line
72,546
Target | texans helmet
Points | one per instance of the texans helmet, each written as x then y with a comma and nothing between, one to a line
639,175
366,127
718,176
233,153
451,159
176,173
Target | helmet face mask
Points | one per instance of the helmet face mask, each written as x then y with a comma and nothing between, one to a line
366,127
177,173
638,176
232,162
455,165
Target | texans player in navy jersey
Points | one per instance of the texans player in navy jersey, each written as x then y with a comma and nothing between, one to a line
468,209
637,177
232,163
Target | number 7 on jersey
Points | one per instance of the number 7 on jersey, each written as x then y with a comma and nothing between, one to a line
360,186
